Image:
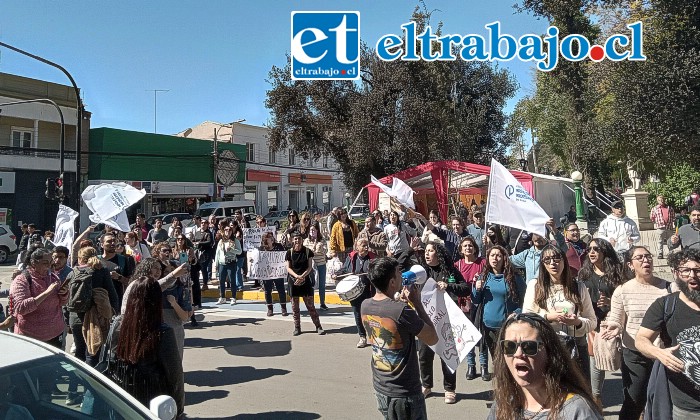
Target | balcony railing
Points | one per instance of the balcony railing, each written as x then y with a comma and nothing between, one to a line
40,153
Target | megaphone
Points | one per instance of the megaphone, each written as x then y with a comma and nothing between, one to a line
415,275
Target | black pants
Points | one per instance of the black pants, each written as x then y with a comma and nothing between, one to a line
491,339
425,358
356,306
636,369
281,292
196,286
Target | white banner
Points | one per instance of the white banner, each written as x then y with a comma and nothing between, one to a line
456,334
511,205
266,265
252,237
399,190
108,203
65,227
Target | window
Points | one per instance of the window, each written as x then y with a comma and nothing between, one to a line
21,137
271,156
272,198
292,161
325,161
250,151
250,193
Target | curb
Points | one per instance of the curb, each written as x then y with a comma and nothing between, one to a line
213,293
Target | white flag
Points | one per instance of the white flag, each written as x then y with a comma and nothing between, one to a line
511,205
65,227
107,202
399,190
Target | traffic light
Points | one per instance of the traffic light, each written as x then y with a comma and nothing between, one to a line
50,188
59,187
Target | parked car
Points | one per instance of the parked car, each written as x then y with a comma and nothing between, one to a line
8,244
276,218
34,379
168,218
359,211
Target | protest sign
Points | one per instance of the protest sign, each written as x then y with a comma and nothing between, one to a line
65,227
266,265
456,334
252,237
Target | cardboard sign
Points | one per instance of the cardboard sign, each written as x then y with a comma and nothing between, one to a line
252,237
266,265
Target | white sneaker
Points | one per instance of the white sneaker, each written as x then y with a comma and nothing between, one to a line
221,301
72,349
233,301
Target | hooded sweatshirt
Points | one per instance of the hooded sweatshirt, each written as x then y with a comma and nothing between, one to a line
620,229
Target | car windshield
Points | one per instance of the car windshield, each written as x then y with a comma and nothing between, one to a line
39,390
205,212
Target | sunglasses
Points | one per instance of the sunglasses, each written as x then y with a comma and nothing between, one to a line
180,239
166,251
529,347
549,260
593,248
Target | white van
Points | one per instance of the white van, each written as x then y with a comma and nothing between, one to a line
225,208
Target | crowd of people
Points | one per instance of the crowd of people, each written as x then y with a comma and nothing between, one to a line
555,312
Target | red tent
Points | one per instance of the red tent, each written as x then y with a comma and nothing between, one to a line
434,177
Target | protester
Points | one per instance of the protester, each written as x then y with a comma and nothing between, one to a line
529,259
564,302
663,217
435,221
499,292
571,215
141,225
470,266
375,236
241,266
398,236
227,255
618,229
37,298
627,307
494,236
135,248
203,242
270,244
395,371
602,274
292,226
452,238
314,241
145,348
343,236
535,377
60,265
157,234
439,267
299,260
116,264
238,217
477,229
331,219
576,252
688,236
676,318
682,219
175,223
184,254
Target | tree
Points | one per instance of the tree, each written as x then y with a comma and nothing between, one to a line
400,114
680,180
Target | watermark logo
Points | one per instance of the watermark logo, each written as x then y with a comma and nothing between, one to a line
325,45
496,46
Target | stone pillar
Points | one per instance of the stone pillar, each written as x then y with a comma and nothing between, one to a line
637,208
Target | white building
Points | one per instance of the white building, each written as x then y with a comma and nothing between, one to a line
277,180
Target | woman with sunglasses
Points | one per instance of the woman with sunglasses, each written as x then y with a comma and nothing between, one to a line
628,305
564,302
177,299
602,274
292,226
499,292
316,243
343,236
184,254
535,378
227,252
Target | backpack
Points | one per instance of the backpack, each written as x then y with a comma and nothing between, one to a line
80,291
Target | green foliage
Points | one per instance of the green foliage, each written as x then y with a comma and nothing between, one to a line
678,182
399,115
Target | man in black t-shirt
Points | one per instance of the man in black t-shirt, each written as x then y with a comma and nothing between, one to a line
676,317
392,327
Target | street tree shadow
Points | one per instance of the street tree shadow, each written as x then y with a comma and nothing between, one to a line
483,396
242,346
230,375
273,415
197,397
350,329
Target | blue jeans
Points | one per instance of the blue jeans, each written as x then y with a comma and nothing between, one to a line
205,268
409,408
227,271
239,273
320,275
471,356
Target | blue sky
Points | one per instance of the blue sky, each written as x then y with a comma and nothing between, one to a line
213,56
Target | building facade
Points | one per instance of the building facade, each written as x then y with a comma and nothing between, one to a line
30,136
277,180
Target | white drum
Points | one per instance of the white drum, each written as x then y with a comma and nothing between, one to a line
350,288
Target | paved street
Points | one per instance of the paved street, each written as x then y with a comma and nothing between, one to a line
239,364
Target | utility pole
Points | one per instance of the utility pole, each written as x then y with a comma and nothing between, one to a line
155,107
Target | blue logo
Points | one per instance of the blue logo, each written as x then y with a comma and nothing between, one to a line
325,45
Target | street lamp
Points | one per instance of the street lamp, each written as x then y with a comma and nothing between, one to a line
347,199
577,177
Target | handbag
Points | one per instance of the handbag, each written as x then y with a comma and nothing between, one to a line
569,342
107,364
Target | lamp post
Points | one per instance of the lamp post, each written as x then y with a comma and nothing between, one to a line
577,177
347,199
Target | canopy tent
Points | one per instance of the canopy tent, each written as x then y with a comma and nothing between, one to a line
443,177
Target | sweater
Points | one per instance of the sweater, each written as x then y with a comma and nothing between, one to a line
495,295
628,305
232,248
42,321
557,303
337,243
319,249
621,229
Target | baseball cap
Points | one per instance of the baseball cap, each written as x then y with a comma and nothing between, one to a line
618,205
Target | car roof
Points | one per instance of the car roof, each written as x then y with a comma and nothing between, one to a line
18,349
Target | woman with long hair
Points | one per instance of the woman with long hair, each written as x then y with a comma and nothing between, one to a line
499,292
148,363
299,261
435,221
563,301
535,377
177,299
184,254
470,266
237,233
343,236
628,305
227,252
270,244
440,267
135,248
151,267
292,226
174,224
314,241
602,274
398,235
